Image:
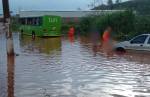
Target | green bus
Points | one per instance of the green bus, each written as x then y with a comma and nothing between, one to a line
43,26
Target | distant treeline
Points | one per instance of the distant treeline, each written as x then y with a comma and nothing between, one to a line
124,24
142,7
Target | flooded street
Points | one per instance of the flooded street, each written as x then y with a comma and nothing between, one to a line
63,67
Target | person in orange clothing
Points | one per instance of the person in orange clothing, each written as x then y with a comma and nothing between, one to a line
107,40
71,32
106,35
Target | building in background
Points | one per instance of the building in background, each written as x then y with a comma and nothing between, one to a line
67,16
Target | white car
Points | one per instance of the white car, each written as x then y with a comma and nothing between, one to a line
140,42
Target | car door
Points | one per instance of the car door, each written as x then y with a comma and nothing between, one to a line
147,45
138,43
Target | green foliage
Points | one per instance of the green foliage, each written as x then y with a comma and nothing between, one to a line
85,24
118,1
66,26
125,24
110,2
142,24
121,22
14,23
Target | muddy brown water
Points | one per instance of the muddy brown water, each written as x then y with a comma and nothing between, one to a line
71,67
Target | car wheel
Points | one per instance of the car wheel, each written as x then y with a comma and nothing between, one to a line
120,49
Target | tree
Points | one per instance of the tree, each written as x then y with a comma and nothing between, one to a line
110,4
118,1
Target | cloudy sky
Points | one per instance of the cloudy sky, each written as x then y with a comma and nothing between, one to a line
17,5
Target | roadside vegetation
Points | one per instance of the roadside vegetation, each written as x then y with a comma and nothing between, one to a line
15,23
136,20
124,24
141,7
66,27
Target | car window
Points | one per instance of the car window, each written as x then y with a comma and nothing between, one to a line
139,40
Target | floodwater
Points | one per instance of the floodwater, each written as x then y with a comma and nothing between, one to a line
71,67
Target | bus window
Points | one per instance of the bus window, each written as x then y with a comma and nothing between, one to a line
29,21
37,21
26,22
22,21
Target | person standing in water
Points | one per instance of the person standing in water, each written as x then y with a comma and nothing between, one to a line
107,35
71,32
107,40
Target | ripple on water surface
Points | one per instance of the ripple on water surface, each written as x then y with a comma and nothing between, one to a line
54,67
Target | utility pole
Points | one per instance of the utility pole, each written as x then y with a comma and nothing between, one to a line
6,13
10,75
110,4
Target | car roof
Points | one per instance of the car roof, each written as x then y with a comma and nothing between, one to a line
145,34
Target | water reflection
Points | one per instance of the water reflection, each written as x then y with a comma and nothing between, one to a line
40,45
3,66
141,57
53,67
71,39
129,65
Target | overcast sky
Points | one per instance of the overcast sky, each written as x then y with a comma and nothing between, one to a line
17,5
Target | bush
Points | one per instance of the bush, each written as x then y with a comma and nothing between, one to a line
121,22
15,23
142,24
66,27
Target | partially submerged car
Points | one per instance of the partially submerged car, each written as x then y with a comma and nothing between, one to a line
140,42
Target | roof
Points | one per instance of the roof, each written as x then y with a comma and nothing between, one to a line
65,13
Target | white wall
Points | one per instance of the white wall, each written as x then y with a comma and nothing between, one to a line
65,13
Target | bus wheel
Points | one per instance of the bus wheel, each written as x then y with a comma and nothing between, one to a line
33,34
